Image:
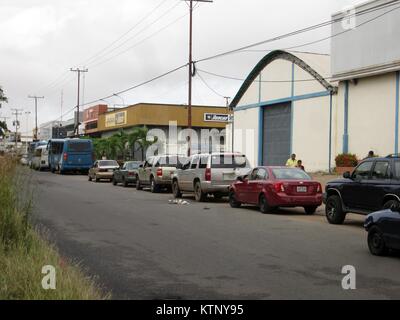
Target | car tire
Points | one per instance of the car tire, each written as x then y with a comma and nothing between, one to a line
138,185
175,190
389,204
96,179
334,211
199,195
232,200
376,243
310,210
154,188
114,182
125,184
89,178
264,206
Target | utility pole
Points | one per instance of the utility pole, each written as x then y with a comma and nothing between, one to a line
232,123
191,70
35,136
79,71
17,112
61,104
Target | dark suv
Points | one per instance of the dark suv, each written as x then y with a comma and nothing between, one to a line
374,185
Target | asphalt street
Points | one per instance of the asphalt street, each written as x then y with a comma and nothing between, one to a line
139,246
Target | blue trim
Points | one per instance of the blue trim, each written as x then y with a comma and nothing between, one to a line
346,119
396,137
284,100
330,132
260,126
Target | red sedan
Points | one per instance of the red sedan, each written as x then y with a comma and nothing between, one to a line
273,187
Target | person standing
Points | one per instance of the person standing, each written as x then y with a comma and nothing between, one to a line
300,165
292,162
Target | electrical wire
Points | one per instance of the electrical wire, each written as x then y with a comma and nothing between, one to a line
209,87
300,31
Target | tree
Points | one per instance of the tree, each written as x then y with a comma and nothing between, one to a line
120,140
139,137
3,128
3,98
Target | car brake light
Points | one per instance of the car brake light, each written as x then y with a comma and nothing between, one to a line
208,174
159,172
319,188
279,187
65,156
131,174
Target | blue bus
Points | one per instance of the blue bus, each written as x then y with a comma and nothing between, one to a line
70,155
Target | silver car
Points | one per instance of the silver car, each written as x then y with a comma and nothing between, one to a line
156,172
205,174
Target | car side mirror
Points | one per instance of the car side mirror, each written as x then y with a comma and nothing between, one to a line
179,166
347,175
141,166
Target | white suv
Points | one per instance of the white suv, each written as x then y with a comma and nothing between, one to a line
205,174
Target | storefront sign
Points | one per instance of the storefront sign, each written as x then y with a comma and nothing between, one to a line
116,119
215,117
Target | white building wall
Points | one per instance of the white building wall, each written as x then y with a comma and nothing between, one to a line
371,117
311,132
279,70
246,134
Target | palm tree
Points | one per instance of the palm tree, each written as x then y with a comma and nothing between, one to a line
3,128
138,137
120,140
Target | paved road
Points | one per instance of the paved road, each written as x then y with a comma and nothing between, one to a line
142,247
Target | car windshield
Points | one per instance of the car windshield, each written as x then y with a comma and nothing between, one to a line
79,146
170,161
108,163
290,174
228,161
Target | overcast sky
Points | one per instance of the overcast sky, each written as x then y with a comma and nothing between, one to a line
42,39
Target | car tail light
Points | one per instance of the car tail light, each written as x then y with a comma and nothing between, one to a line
279,187
131,174
319,188
159,172
65,156
208,174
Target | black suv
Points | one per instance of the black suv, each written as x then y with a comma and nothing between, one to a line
374,185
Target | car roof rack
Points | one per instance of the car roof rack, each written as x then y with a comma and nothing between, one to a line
394,155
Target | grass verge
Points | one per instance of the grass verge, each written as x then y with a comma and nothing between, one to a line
24,251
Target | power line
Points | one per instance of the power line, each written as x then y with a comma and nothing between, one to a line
136,34
65,75
262,81
127,32
209,87
79,71
300,31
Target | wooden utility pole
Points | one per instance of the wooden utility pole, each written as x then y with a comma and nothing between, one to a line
35,136
191,70
79,71
16,113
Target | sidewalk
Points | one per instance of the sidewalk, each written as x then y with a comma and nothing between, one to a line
324,178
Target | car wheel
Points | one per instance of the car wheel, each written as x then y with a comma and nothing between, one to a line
114,181
96,179
138,185
232,200
89,178
175,190
264,206
376,243
334,211
153,186
390,204
52,169
199,195
124,183
310,210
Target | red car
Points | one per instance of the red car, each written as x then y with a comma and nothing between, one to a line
273,187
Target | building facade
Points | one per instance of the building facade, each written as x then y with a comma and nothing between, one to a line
168,122
319,106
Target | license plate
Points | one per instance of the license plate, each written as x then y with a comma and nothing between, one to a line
302,189
110,170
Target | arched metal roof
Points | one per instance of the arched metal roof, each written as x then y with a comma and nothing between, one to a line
275,55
